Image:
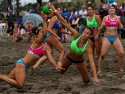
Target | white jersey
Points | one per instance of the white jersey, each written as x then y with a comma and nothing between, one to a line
83,13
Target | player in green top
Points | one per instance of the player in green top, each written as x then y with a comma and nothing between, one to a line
77,49
94,21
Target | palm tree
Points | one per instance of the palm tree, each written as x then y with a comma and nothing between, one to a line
63,5
17,3
78,4
39,4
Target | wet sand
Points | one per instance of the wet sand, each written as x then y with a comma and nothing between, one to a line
46,80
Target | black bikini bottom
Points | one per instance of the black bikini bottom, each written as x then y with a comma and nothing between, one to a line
73,61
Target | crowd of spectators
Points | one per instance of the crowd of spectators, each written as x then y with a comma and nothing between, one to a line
76,18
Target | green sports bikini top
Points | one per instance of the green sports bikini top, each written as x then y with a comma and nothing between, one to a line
75,48
92,23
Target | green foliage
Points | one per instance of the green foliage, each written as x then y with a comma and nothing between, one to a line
77,5
3,5
93,4
29,6
63,5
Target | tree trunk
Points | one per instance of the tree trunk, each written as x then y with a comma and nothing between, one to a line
39,4
17,3
9,2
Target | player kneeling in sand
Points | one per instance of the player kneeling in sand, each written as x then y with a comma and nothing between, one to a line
78,47
18,75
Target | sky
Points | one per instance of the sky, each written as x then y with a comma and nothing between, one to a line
30,1
24,2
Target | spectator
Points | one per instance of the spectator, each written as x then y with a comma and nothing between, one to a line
21,26
102,12
10,18
81,24
35,11
72,15
120,13
123,7
9,8
120,6
33,35
105,5
83,12
22,31
65,14
16,34
40,25
3,29
29,28
123,31
75,21
1,16
19,20
27,12
10,31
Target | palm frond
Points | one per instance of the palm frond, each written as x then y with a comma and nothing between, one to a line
77,5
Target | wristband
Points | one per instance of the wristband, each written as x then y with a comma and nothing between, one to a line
55,11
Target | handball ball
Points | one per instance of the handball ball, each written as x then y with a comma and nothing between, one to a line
46,10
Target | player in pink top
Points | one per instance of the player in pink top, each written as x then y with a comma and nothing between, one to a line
39,52
17,76
111,23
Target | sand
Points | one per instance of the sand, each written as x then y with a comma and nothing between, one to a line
46,80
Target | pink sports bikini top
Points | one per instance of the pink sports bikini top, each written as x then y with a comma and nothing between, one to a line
37,52
112,23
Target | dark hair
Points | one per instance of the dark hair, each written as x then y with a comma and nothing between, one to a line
57,8
91,29
41,24
112,5
66,9
91,7
35,30
73,10
123,5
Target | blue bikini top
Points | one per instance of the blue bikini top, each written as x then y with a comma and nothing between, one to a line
57,25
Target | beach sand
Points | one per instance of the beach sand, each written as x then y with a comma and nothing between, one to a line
46,80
